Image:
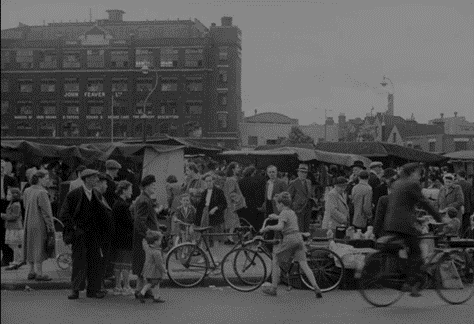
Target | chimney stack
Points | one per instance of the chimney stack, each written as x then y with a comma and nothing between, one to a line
213,25
455,114
115,14
226,21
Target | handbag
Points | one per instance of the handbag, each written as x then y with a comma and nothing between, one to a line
50,243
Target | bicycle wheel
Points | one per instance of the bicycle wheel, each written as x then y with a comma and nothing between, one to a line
244,269
187,265
381,279
454,277
327,267
64,261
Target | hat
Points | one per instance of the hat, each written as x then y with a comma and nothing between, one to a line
389,173
148,180
358,164
112,165
340,181
303,168
88,173
449,176
451,212
376,164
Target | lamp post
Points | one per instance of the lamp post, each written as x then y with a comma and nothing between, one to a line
390,94
145,70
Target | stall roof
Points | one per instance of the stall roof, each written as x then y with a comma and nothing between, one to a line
128,149
31,151
192,147
304,155
461,155
379,149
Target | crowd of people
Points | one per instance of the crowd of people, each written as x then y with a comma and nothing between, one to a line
114,233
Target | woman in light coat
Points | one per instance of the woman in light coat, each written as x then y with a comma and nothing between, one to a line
38,222
235,199
450,195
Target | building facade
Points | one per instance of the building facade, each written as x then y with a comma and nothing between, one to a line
272,128
71,82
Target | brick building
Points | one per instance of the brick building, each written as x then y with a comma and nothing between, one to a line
65,82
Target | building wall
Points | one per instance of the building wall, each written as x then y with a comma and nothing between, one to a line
265,132
398,138
214,125
423,142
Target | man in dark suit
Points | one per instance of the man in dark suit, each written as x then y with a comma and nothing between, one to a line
7,182
112,168
401,219
85,225
251,187
211,207
468,201
302,196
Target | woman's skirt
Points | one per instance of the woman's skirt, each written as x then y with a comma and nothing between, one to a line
14,236
291,248
123,260
231,219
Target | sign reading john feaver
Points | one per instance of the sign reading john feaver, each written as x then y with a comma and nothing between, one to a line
94,94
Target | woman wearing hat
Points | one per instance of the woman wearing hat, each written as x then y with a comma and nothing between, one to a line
336,210
145,220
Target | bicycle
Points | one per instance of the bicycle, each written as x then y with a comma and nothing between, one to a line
188,264
322,262
385,272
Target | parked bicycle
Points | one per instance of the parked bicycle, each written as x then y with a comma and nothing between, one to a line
327,266
450,269
188,264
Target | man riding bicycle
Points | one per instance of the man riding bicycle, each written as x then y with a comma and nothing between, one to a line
401,219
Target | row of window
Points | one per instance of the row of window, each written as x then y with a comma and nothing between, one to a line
193,84
97,108
71,59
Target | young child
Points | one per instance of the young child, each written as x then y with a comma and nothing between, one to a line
154,267
185,213
453,224
14,227
291,246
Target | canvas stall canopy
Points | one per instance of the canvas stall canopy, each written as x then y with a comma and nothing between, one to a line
389,154
36,153
287,158
191,147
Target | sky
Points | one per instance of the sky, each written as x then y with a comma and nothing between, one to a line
305,58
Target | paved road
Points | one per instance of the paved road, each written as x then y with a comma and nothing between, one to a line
215,306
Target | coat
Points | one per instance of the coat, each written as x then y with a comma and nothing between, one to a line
8,182
251,188
301,201
235,201
362,200
336,210
173,192
188,216
110,195
38,220
451,197
380,213
70,216
278,187
145,219
468,193
401,217
123,225
217,200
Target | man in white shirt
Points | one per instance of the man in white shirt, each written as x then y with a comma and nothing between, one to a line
274,187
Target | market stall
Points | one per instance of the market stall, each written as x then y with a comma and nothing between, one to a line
462,160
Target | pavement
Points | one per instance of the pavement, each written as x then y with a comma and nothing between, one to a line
17,279
224,305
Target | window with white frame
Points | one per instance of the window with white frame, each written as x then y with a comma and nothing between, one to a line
119,58
169,57
95,58
48,60
25,59
194,107
95,85
223,51
143,57
48,85
194,84
5,107
194,57
47,129
119,85
169,84
26,85
168,107
223,76
72,59
5,85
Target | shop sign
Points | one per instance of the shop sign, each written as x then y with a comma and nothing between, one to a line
71,94
94,94
168,117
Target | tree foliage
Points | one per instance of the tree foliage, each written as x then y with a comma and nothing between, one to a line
297,136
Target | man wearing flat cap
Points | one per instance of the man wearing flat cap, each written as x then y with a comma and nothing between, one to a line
112,168
85,224
301,196
357,167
